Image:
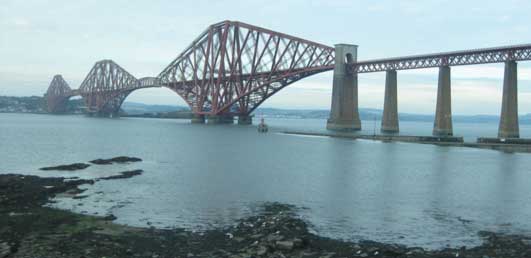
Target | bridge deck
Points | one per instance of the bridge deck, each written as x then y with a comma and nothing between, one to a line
464,57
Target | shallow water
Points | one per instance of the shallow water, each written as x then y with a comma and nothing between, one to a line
200,176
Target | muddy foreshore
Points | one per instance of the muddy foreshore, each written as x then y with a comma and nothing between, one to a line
27,229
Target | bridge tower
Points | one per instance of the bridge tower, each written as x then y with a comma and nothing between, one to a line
57,95
106,87
344,115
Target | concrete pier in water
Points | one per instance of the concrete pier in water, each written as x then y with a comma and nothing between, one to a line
390,112
344,115
443,113
509,127
220,119
245,120
198,119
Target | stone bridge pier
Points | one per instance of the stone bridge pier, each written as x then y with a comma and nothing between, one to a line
198,119
442,125
390,112
344,115
509,127
220,119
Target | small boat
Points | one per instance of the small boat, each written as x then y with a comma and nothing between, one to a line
262,127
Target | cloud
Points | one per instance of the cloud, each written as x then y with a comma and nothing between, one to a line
14,22
21,22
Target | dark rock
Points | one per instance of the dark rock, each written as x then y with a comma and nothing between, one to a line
297,243
70,167
5,250
125,174
284,245
262,250
274,238
109,217
120,159
327,255
415,251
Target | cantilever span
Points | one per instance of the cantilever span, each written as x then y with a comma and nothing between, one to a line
108,84
233,67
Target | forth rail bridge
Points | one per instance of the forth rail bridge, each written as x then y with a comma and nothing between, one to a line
232,67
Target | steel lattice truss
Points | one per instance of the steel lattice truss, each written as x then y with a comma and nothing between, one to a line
58,94
468,57
107,85
233,67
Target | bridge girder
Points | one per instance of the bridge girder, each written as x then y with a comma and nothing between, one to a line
456,58
233,67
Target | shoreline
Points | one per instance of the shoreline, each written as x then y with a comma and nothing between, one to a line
27,229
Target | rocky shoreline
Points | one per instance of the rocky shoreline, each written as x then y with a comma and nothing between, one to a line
27,229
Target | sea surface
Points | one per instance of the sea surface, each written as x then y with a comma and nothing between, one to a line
203,176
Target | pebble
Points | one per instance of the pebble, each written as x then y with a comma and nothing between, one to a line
5,249
261,250
284,245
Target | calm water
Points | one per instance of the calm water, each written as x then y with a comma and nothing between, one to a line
199,176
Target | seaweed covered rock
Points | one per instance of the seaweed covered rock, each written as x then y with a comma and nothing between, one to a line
120,159
23,191
125,174
69,167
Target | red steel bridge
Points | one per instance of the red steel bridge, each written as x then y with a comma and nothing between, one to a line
233,67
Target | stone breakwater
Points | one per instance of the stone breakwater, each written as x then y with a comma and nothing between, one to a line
509,145
27,229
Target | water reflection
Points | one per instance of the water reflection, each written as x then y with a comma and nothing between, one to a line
390,194
504,191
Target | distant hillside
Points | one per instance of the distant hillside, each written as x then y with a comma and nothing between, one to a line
365,113
36,104
134,108
33,104
371,114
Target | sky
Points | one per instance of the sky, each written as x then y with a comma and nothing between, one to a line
41,38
